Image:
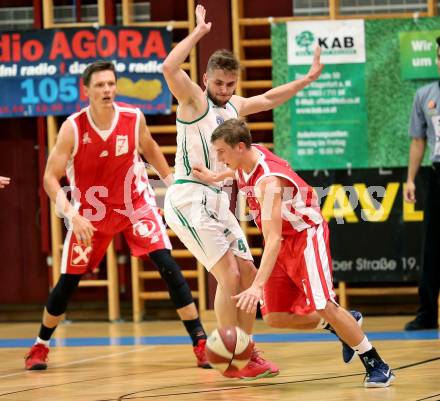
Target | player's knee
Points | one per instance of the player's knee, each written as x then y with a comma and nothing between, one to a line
330,311
230,281
60,295
181,296
248,271
247,266
179,290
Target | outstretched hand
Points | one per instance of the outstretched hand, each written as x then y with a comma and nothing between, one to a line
203,174
248,299
200,20
316,67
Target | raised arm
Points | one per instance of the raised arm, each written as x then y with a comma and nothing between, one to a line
269,194
152,153
55,169
184,90
280,94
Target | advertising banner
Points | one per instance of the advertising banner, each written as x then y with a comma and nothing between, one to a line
375,236
418,54
329,116
357,113
40,70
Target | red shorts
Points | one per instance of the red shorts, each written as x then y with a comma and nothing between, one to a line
143,229
301,281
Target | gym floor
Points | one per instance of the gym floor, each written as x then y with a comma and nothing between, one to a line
154,360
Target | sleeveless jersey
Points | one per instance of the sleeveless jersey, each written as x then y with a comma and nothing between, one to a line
106,164
300,208
194,140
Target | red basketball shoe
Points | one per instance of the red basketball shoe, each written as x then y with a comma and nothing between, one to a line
252,371
199,351
256,358
36,358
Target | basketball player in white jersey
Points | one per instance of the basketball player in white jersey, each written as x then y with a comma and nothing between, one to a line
295,274
98,149
199,214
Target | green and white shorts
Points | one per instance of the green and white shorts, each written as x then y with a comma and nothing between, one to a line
199,215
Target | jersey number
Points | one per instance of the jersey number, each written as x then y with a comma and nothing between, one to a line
241,246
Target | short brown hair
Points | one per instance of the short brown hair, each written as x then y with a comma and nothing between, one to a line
223,60
233,132
99,65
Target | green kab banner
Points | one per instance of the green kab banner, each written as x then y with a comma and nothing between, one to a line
418,53
328,117
357,113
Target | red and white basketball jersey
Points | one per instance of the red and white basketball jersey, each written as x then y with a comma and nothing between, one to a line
106,165
300,207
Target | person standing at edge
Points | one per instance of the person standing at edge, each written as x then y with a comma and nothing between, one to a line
425,127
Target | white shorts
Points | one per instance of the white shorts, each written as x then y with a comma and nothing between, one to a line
200,217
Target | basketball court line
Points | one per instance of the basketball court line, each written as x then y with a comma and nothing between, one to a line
176,340
209,390
250,385
83,381
80,361
434,397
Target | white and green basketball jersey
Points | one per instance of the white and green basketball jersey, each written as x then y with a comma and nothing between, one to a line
194,140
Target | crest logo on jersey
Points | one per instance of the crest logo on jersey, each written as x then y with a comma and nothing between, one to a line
220,120
80,255
104,153
121,145
144,228
86,138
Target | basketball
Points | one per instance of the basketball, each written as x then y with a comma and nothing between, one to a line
229,348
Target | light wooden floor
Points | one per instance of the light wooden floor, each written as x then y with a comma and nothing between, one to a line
309,370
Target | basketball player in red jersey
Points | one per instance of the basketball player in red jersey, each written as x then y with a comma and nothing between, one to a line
98,149
295,276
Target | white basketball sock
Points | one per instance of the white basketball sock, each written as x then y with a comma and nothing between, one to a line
40,341
363,347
